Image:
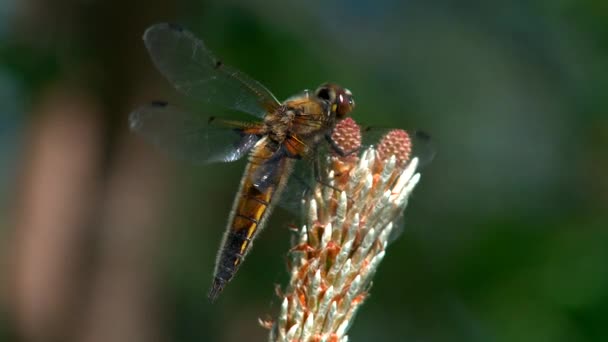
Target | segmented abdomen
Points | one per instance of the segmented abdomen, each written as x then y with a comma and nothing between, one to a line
250,209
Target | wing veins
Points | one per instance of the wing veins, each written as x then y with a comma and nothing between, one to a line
194,70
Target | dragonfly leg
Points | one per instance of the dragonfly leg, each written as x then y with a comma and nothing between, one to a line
318,174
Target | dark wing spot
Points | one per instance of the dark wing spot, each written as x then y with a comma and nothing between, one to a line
161,104
423,135
211,119
218,64
175,27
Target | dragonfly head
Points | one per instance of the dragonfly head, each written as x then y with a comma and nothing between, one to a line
340,99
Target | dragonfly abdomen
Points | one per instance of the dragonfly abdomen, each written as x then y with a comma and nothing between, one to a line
246,220
248,217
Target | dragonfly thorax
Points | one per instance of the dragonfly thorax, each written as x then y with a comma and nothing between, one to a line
301,122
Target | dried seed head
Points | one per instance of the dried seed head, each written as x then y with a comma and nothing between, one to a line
395,143
347,138
343,242
347,135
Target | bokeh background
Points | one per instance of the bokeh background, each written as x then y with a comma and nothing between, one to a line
103,238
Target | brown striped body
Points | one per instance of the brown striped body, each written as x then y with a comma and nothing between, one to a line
250,211
289,133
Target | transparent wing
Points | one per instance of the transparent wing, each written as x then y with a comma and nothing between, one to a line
190,137
271,170
193,69
300,184
267,174
306,174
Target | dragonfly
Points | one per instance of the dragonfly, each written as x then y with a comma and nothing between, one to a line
284,133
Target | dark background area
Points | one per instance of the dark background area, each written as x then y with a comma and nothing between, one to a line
103,238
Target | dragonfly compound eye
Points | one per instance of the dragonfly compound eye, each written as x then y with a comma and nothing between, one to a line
345,103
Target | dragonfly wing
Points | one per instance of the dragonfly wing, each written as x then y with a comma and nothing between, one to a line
301,183
305,175
270,172
191,137
193,69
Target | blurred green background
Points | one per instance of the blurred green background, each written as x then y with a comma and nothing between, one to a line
103,238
